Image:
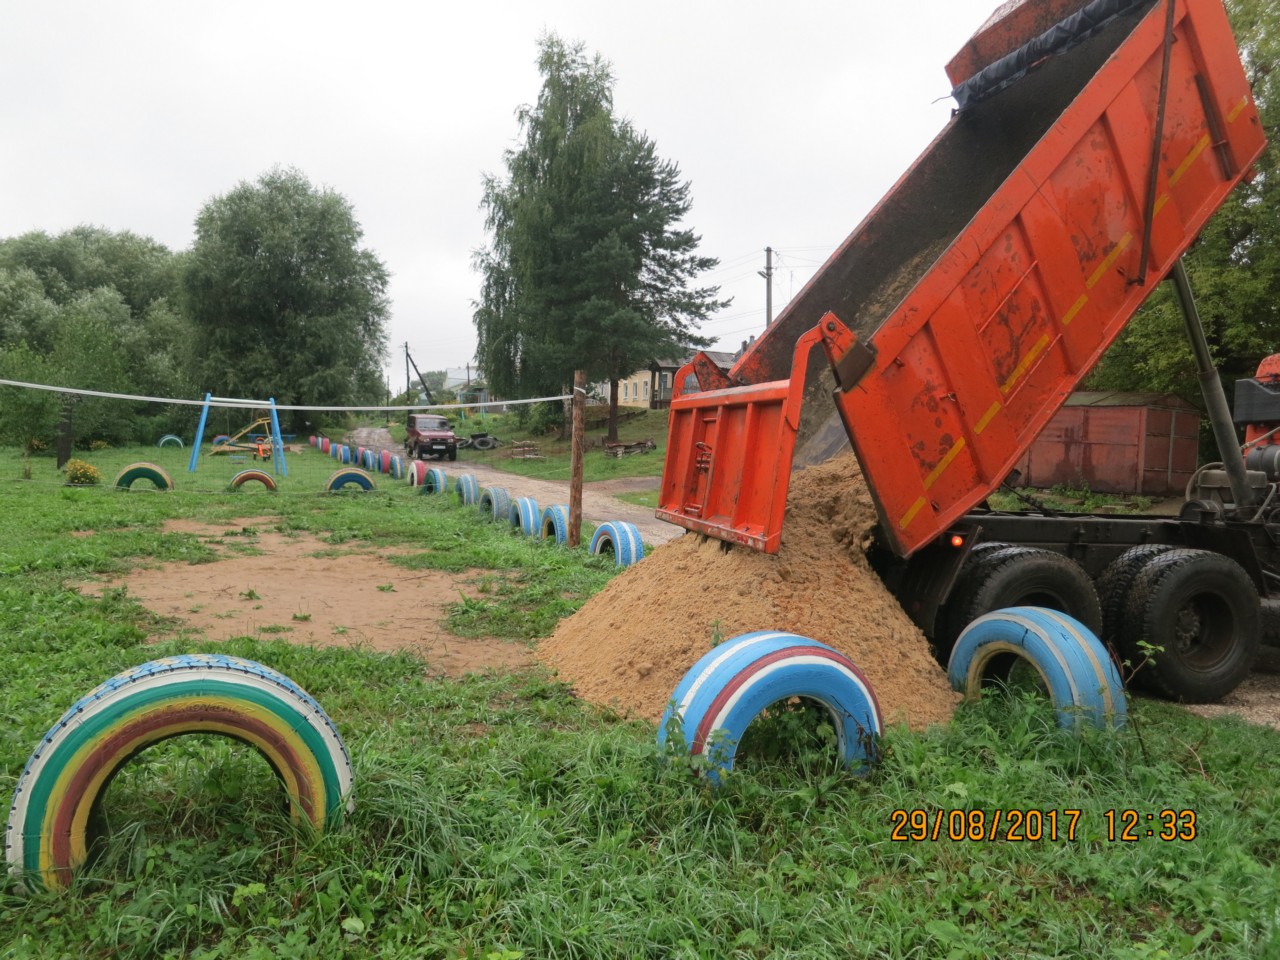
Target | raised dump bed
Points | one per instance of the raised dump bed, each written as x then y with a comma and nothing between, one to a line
971,301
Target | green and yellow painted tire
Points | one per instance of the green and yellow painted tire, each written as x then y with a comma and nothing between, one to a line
46,839
144,471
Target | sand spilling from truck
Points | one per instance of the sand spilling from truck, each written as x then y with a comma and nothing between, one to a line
629,646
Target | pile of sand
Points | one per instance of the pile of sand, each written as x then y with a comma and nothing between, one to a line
629,646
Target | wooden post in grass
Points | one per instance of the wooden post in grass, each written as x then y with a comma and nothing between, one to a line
579,406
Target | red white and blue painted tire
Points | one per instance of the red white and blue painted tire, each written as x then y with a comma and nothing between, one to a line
621,539
435,481
46,838
729,687
495,503
1078,673
555,524
468,490
417,473
523,514
144,471
244,476
348,476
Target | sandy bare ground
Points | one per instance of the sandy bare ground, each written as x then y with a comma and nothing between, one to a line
295,587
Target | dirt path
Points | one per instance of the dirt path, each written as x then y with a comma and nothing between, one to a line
598,501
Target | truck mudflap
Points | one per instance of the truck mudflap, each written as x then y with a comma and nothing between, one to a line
1005,316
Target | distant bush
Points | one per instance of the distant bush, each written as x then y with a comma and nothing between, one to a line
79,472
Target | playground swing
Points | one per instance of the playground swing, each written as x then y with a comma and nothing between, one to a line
265,444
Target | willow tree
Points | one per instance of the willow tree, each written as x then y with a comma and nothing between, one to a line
588,264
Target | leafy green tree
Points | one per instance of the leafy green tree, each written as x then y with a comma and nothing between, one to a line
99,311
285,301
1234,266
588,266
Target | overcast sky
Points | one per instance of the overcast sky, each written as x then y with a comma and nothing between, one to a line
790,121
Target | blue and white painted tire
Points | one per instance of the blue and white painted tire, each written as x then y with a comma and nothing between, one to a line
619,538
729,687
396,467
170,440
523,514
555,524
495,503
348,476
435,481
46,839
468,490
1078,673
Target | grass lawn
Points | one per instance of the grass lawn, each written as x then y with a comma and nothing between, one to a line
499,817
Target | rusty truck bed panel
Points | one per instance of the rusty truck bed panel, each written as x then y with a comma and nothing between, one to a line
994,275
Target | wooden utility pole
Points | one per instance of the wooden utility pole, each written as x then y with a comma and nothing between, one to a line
578,451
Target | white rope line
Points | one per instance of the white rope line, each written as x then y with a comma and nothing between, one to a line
253,404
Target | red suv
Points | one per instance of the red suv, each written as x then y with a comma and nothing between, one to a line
430,436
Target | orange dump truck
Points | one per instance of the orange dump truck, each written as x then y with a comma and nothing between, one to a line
1092,142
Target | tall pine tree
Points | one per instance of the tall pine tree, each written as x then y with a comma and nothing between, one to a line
588,266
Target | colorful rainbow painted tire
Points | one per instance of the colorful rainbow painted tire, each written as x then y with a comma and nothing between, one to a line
555,524
197,693
144,471
524,516
348,476
621,539
435,481
495,503
725,690
170,440
1078,673
244,476
396,468
467,489
384,461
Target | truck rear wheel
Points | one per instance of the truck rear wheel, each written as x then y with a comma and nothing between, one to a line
1113,594
1202,608
1019,577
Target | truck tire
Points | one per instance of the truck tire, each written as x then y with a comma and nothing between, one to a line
467,489
523,514
46,837
618,539
1020,577
1203,609
555,524
1113,593
348,476
1076,671
495,503
728,688
484,443
143,471
453,453
435,481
